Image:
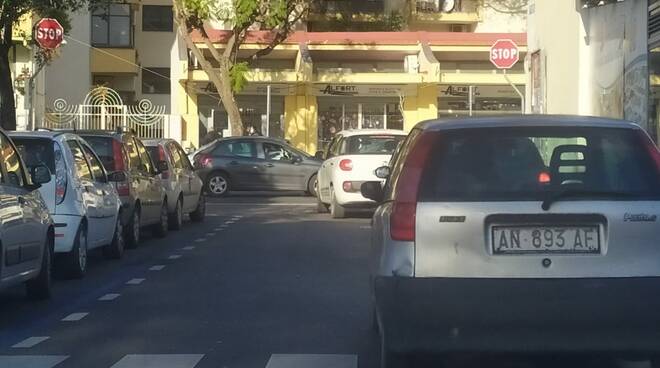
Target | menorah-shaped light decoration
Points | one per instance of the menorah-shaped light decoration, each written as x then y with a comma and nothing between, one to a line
62,114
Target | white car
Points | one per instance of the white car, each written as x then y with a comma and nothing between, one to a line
81,199
350,160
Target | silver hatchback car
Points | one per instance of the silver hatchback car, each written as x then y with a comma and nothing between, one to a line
518,234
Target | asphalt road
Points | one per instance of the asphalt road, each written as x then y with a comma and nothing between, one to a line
265,281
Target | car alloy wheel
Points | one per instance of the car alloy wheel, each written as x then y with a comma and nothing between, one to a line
218,185
160,229
82,252
175,219
115,250
136,227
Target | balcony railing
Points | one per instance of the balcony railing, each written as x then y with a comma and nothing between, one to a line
348,6
445,6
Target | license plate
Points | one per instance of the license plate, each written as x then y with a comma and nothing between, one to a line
545,239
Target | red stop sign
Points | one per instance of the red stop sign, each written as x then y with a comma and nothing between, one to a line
504,54
49,33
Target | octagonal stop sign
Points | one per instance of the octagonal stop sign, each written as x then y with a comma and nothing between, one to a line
504,54
49,33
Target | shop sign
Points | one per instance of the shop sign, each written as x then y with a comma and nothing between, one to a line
362,90
450,90
252,89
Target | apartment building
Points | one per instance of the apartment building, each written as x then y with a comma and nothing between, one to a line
362,64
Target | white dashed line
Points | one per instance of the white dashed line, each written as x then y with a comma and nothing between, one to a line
229,222
158,361
190,247
75,317
218,229
31,341
107,297
156,267
31,361
212,215
174,256
210,234
238,216
224,225
200,240
134,281
312,360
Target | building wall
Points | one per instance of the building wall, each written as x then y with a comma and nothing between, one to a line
595,63
493,20
73,60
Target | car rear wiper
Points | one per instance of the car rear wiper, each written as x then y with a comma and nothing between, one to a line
567,193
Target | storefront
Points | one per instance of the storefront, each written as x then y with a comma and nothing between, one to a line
455,100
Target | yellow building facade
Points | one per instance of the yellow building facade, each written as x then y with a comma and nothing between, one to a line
323,82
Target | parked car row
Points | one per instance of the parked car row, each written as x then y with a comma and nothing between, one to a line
65,193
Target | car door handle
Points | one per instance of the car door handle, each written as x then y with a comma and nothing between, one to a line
270,165
233,163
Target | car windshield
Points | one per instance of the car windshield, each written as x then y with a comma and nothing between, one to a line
36,151
527,163
371,144
103,148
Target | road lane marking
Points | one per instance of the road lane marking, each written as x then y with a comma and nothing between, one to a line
174,256
200,240
224,225
210,234
156,267
31,361
158,361
365,227
31,341
229,222
312,360
212,215
134,281
218,229
189,247
107,297
73,317
238,216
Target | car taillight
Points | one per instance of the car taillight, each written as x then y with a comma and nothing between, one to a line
117,155
651,148
161,157
404,208
60,175
346,164
204,160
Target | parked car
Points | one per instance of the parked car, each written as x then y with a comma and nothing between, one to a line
26,229
527,233
80,197
143,196
350,160
182,185
255,163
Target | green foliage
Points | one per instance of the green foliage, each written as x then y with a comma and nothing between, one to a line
198,11
237,74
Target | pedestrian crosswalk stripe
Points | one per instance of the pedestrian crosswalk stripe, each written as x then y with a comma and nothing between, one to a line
73,317
158,361
30,342
156,267
312,361
134,281
107,297
31,361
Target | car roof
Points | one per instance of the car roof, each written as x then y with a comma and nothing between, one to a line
254,137
502,121
48,134
352,132
156,141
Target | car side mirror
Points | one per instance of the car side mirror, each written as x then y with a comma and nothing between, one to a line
319,155
162,166
117,176
296,159
382,172
372,190
40,174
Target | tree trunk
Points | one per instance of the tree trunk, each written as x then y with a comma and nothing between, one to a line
7,103
228,99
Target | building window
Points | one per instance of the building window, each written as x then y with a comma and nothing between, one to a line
156,81
111,26
157,18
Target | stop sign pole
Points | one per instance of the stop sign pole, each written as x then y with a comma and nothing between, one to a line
504,54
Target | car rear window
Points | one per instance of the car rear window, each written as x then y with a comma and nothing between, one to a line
381,144
527,163
153,153
36,151
103,148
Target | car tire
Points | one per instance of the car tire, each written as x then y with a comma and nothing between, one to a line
175,219
311,186
75,262
39,287
133,230
320,206
200,212
217,184
336,210
160,228
115,250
